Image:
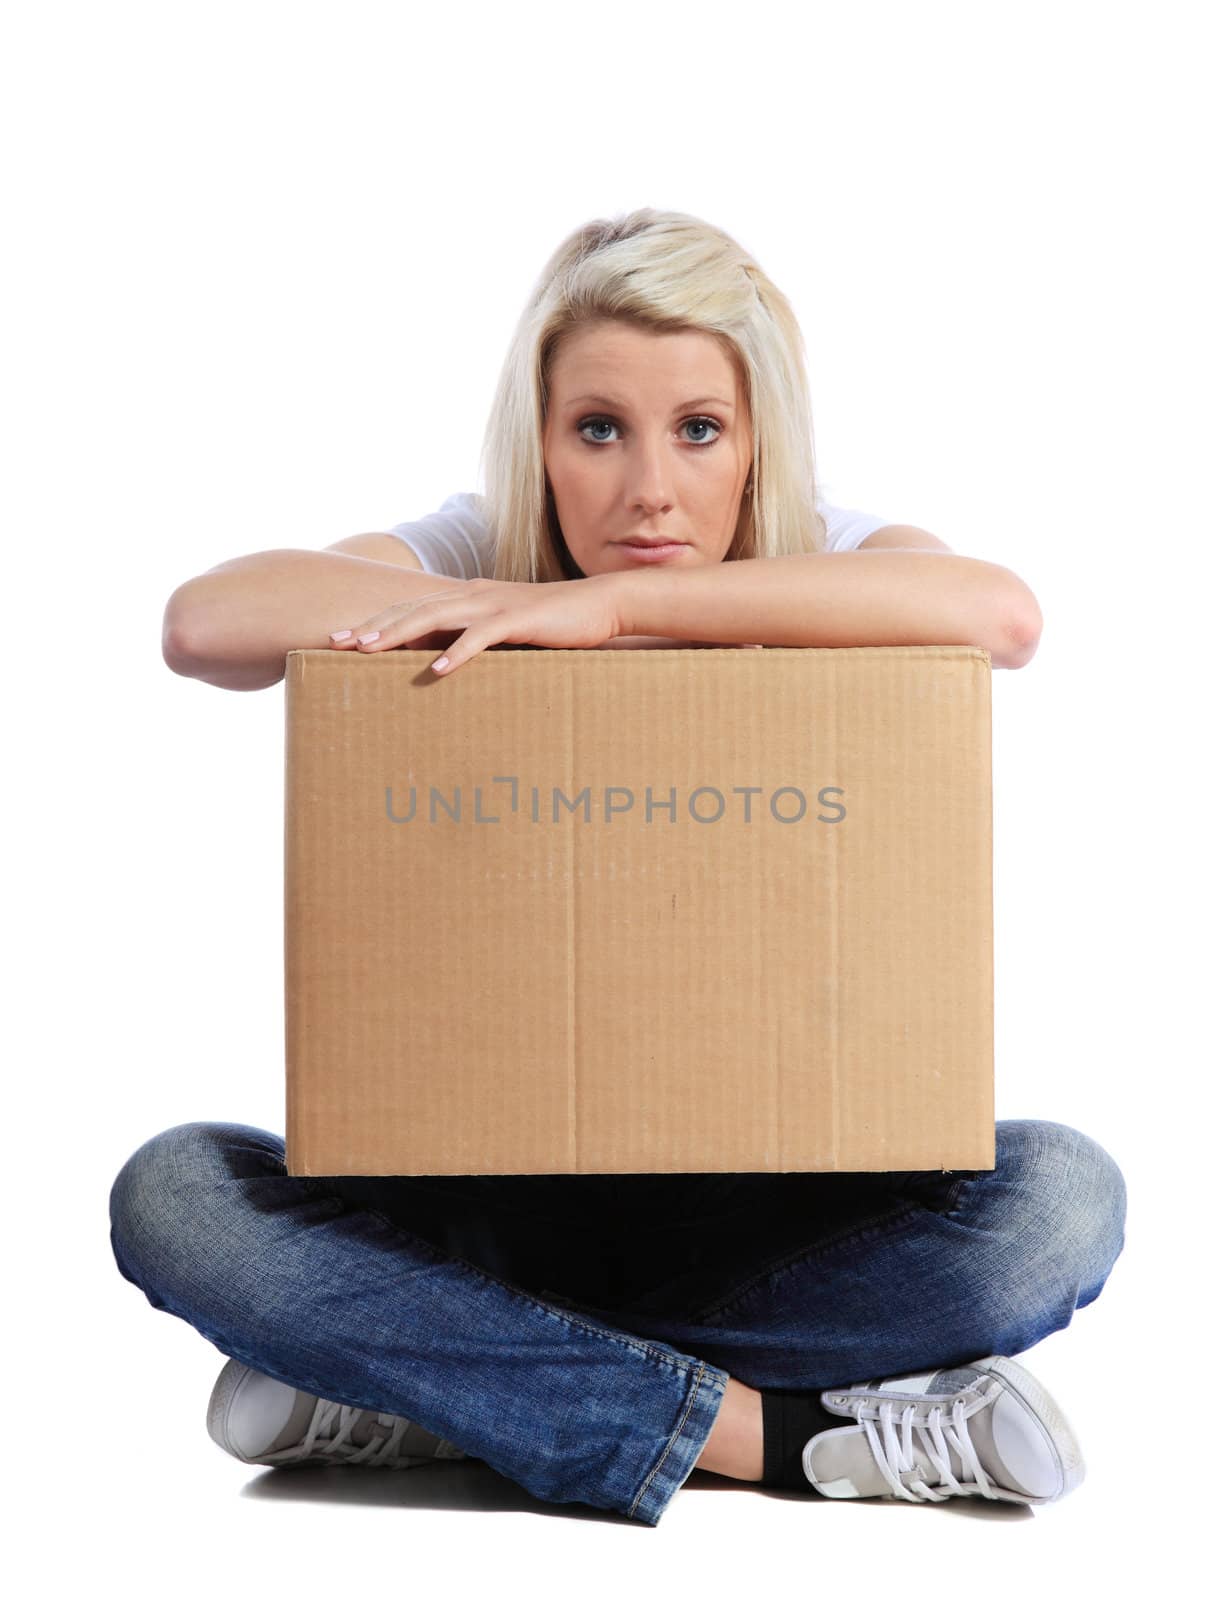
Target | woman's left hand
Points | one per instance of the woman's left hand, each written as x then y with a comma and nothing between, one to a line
578,614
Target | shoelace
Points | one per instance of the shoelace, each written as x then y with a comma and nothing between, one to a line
896,1457
320,1441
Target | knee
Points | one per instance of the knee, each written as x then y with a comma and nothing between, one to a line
1068,1192
159,1192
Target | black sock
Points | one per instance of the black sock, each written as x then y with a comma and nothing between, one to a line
791,1417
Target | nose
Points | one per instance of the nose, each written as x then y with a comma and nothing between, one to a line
649,483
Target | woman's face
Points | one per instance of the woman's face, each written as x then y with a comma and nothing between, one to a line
647,438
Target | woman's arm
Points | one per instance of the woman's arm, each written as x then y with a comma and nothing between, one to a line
650,641
869,596
234,625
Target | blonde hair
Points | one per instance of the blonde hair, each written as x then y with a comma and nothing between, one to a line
665,271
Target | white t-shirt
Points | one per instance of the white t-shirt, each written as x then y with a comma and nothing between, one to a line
456,542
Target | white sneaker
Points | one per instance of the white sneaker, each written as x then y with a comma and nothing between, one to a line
266,1423
1010,1439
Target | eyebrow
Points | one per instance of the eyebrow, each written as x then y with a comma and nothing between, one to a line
685,405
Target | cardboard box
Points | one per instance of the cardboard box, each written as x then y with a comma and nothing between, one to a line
604,911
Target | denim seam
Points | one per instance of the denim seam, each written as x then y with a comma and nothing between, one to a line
957,1194
698,1380
852,1235
650,1351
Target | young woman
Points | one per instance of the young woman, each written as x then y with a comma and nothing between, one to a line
649,482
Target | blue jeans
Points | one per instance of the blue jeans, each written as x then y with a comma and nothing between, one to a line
576,1333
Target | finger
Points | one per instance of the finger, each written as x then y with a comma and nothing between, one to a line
467,645
402,623
357,637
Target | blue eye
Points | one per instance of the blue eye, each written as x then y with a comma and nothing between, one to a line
704,422
607,422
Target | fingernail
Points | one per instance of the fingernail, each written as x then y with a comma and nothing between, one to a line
366,638
344,633
441,664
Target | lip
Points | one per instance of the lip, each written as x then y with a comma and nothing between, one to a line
652,549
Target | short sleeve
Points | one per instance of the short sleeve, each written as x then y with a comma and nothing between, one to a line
848,529
454,541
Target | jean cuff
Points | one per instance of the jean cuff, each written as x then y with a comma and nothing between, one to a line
697,1413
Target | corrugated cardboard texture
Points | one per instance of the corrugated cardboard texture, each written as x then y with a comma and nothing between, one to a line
583,911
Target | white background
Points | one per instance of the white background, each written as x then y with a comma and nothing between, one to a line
263,262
